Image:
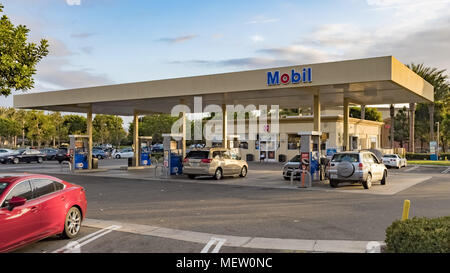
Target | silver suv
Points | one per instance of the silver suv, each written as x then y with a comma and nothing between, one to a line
357,167
216,162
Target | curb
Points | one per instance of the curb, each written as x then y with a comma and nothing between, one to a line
332,246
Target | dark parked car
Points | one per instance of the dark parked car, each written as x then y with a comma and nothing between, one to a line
62,155
50,154
23,155
157,148
98,153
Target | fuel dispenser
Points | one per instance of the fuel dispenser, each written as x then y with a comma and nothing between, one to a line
310,153
78,150
173,154
144,151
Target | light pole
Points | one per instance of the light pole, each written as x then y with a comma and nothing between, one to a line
437,152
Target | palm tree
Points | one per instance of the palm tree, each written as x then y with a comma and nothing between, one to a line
439,80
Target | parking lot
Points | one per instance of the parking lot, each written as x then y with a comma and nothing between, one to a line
268,175
138,211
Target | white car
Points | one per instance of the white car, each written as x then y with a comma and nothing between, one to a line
4,152
124,153
394,160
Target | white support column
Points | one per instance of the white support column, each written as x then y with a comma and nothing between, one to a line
224,126
317,116
136,139
346,141
363,111
183,141
89,132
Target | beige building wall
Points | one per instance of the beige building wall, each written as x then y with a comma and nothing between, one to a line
366,134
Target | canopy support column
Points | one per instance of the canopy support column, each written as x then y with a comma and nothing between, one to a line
346,141
224,126
136,139
317,116
89,132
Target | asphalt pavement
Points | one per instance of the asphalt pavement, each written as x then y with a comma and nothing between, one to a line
237,210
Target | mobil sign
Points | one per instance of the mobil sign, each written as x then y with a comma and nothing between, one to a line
295,76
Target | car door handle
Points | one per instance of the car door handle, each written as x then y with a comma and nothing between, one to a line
34,209
63,198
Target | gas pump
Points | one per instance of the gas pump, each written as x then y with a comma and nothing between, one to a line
78,150
144,151
310,152
173,154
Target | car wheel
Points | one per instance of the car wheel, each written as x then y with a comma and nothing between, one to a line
72,223
286,178
218,174
118,156
39,160
243,172
16,160
383,180
191,176
368,183
334,183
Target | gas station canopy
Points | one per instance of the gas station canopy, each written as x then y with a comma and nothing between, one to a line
380,80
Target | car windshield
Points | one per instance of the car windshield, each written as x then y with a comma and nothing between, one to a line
345,157
20,151
198,154
390,156
3,186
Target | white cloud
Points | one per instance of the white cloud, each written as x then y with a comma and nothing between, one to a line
257,38
175,40
261,19
73,2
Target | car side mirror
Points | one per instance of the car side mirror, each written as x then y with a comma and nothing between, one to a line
16,202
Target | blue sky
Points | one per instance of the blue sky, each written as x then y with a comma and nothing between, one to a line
97,42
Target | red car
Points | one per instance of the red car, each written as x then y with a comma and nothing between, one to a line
33,207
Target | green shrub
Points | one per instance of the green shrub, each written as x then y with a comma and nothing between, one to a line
422,156
419,235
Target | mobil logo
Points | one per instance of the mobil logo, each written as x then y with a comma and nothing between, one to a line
303,76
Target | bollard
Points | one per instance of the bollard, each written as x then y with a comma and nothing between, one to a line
406,206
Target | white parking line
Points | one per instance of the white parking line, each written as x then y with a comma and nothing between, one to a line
412,169
446,170
75,246
211,242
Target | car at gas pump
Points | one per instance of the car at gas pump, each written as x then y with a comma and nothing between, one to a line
356,167
215,162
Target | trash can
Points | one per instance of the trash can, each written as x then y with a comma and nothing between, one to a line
94,163
130,162
281,158
249,157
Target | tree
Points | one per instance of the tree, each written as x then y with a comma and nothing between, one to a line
40,127
18,58
401,121
75,124
371,113
437,110
154,125
108,129
8,129
61,132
